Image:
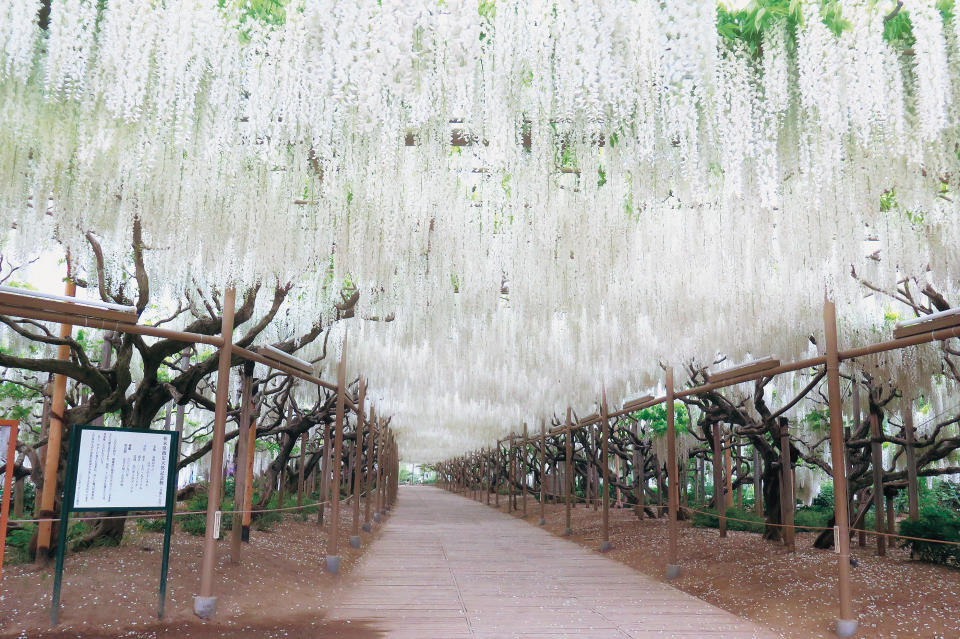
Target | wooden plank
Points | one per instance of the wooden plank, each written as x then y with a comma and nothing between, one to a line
448,566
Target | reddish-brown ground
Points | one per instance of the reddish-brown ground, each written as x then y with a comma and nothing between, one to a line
791,593
279,590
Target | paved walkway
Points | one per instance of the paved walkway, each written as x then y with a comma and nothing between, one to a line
446,567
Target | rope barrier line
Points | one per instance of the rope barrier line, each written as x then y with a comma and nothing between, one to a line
795,526
157,515
933,541
758,523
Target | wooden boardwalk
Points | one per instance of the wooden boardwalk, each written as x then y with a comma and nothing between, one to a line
446,567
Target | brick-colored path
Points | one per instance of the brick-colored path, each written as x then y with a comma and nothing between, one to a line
446,567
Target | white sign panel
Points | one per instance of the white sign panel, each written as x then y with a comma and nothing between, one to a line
122,469
4,443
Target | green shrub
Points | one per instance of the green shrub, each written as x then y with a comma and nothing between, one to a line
934,523
18,545
156,524
825,498
813,516
710,519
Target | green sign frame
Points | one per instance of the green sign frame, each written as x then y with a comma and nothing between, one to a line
69,494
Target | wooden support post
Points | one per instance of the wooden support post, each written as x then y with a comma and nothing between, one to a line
511,475
891,514
913,499
855,400
248,485
358,467
639,476
739,461
381,446
323,467
719,499
787,500
543,472
496,484
847,622
240,459
568,472
303,462
333,552
524,468
757,487
205,604
728,468
876,463
605,470
673,496
368,475
55,433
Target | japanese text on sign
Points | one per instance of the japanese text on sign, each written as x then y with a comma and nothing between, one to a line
122,469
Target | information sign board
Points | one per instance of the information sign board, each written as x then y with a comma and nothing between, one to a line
114,469
122,469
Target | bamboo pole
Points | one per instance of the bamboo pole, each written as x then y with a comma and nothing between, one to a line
54,439
333,552
205,604
673,496
847,622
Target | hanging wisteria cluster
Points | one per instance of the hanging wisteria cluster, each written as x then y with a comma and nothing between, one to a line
627,187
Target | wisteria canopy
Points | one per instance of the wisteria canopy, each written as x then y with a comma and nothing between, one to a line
635,184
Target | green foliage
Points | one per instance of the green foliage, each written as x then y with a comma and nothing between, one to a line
18,545
155,525
934,523
756,522
656,418
813,516
825,498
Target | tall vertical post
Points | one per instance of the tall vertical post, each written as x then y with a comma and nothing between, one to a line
511,504
357,467
381,443
323,468
718,489
639,474
876,464
240,473
568,470
757,488
847,622
787,499
205,604
605,471
673,494
247,518
367,525
908,434
303,463
333,556
524,469
496,484
543,472
54,437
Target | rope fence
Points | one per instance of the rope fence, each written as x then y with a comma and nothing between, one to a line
182,513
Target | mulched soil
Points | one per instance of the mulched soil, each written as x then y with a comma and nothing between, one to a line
791,593
279,590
